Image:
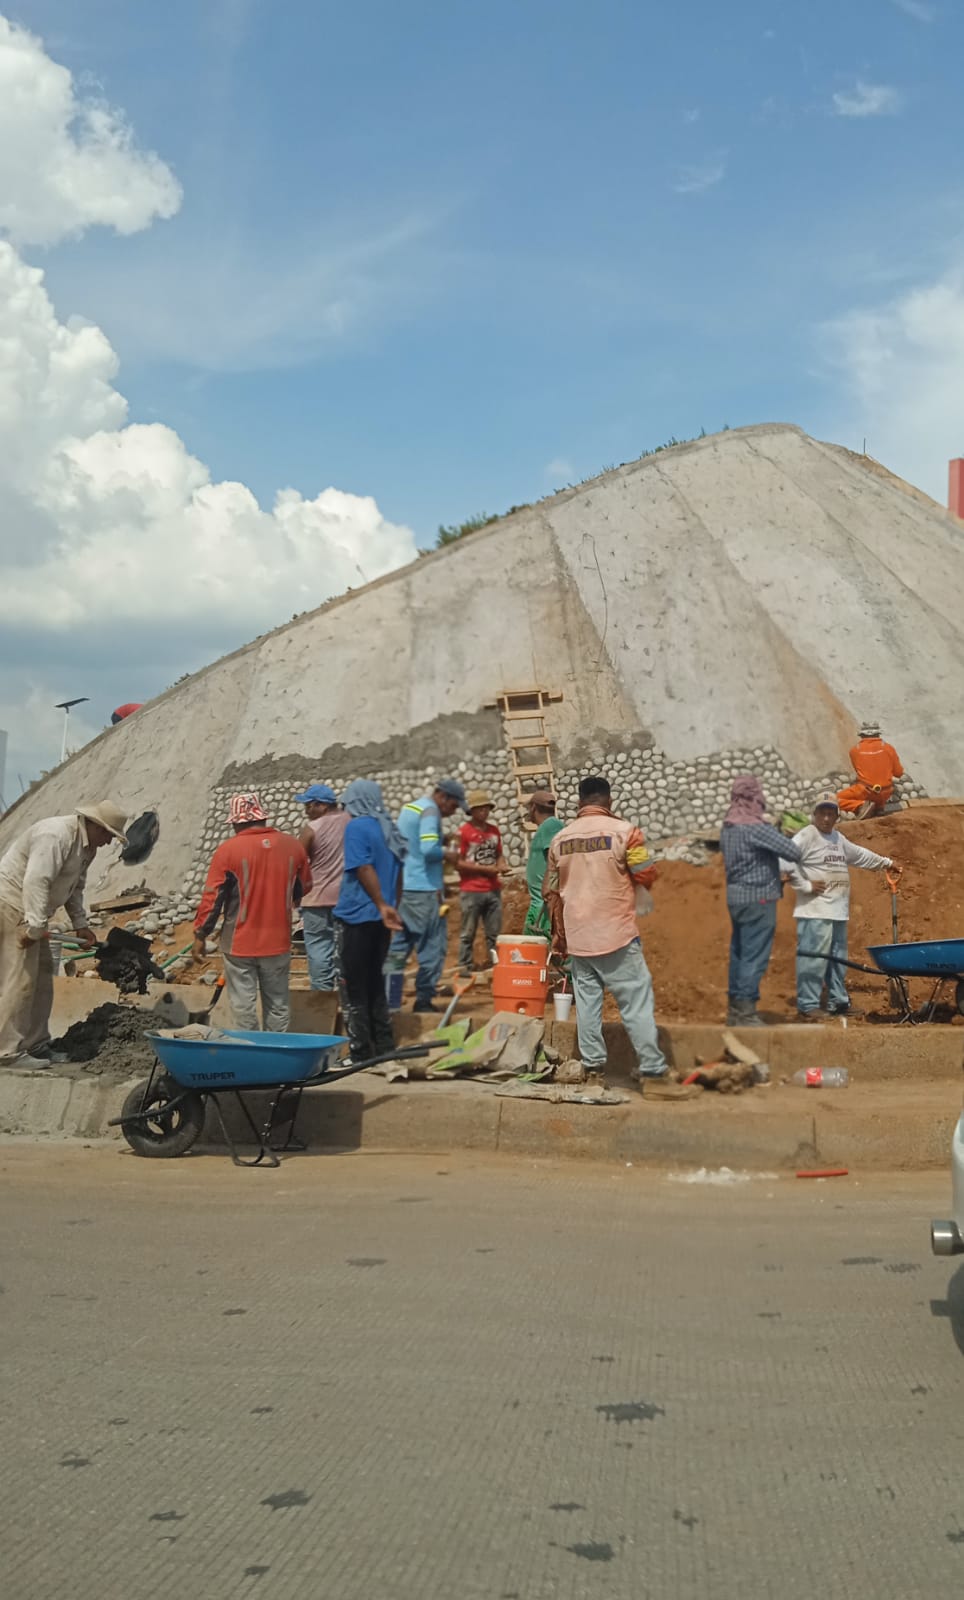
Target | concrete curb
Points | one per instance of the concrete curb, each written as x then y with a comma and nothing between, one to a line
880,1127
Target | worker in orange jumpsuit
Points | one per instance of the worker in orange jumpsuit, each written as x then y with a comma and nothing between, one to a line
877,765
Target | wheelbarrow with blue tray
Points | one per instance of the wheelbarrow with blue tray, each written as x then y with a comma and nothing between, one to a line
939,959
165,1115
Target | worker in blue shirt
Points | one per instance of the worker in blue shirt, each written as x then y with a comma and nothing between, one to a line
420,823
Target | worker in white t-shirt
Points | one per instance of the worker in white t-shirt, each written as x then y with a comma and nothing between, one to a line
822,885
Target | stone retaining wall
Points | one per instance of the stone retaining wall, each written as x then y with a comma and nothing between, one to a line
672,800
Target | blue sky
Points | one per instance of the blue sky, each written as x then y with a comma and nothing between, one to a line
437,259
464,231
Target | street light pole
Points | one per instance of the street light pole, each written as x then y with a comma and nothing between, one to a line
64,706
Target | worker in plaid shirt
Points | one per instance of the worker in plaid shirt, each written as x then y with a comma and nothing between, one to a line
752,851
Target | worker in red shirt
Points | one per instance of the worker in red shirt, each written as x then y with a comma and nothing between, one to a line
877,765
253,882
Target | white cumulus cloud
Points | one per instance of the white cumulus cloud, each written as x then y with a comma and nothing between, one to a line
67,162
868,100
901,364
121,561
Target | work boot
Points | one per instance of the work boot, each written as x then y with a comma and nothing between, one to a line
811,1016
665,1086
425,1005
27,1063
866,810
46,1052
743,1014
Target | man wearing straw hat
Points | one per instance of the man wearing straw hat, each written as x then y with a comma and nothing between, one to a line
44,869
481,865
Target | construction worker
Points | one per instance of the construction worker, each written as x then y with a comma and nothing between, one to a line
253,881
44,869
423,928
481,866
596,863
323,837
752,851
366,918
541,811
877,765
822,884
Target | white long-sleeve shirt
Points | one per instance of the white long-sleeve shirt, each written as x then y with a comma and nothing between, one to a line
828,856
47,868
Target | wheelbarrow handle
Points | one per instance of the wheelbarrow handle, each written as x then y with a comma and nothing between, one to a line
376,1061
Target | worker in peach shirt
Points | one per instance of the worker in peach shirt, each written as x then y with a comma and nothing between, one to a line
596,865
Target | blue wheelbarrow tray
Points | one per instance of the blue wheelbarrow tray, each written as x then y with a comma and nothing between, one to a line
260,1061
933,958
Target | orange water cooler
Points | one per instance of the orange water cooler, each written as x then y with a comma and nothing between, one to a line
520,978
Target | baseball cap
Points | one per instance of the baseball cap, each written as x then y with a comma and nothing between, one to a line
543,798
453,789
321,792
826,797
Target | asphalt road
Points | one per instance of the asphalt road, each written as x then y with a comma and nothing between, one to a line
431,1378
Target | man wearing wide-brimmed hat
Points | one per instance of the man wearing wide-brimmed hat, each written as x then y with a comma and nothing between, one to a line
481,865
44,869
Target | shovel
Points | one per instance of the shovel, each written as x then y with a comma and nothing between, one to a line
893,876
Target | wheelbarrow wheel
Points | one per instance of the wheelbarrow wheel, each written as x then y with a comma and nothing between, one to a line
161,1131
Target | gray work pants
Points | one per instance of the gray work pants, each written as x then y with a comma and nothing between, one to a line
26,989
478,905
625,974
244,977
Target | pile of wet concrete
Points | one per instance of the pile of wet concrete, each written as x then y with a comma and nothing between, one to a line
111,1042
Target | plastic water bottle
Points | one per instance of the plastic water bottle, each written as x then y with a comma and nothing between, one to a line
822,1078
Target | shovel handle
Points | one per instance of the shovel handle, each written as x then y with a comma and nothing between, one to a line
893,876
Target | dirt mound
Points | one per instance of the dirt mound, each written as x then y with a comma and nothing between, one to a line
110,1042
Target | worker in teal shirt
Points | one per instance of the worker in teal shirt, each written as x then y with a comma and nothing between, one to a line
420,823
542,815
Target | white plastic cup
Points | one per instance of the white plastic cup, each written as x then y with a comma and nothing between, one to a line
562,1005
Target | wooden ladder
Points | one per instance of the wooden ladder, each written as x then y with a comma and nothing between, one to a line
524,726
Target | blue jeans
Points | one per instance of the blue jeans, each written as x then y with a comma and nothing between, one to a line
319,925
818,938
751,941
625,974
424,931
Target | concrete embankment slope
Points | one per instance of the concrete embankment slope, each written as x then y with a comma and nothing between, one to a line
754,588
